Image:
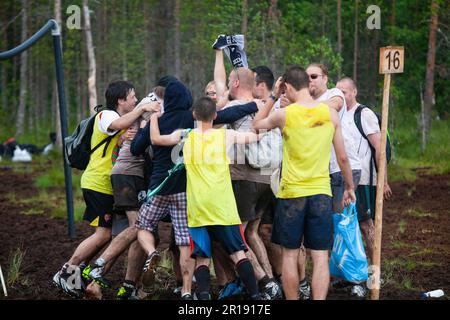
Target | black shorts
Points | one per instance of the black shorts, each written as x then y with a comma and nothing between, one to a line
309,218
99,208
269,214
128,191
365,202
252,198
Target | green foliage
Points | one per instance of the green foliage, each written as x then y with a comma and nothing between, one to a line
134,40
15,270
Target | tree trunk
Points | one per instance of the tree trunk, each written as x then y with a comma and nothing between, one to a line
355,47
177,36
429,79
148,44
4,72
23,71
244,22
274,19
91,58
339,35
55,87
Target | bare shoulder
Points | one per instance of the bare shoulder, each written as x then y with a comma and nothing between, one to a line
334,115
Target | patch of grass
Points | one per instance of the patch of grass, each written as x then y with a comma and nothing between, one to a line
429,264
397,244
54,178
52,203
407,149
423,252
15,275
400,172
406,283
33,211
420,213
402,226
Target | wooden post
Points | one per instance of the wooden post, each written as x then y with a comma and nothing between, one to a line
391,61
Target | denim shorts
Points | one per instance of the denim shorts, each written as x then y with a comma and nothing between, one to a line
338,187
305,217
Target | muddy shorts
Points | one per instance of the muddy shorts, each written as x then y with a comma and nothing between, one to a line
269,212
128,192
252,198
99,208
119,223
159,206
309,217
365,202
338,187
231,238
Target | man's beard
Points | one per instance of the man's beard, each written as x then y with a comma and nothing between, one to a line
230,97
312,92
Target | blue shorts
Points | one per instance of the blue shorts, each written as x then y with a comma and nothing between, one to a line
309,217
231,238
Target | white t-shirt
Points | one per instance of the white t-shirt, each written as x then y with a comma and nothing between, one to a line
106,117
369,123
349,142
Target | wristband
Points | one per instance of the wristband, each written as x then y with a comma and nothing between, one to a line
273,98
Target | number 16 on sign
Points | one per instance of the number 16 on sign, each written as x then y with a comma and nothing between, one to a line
391,61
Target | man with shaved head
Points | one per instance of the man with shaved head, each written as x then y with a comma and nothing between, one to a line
251,187
366,188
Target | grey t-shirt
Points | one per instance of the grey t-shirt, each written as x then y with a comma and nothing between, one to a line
126,162
239,167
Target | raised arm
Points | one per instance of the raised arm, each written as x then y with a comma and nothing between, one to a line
127,119
162,140
220,80
264,111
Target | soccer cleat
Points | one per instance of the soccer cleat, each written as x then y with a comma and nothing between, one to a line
186,296
304,290
94,273
148,273
272,291
359,291
127,292
65,281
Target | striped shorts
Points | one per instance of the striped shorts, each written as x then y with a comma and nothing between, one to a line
159,206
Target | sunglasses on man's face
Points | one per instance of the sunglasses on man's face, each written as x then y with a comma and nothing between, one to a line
315,76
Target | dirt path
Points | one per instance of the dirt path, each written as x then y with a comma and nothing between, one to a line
416,240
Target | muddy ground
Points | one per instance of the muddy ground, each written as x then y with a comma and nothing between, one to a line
415,247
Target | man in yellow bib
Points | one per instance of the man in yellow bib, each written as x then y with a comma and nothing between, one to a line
211,206
304,208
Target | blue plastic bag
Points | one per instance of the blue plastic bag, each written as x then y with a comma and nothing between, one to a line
348,260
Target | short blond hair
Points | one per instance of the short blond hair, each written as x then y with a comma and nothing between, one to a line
321,67
211,83
246,78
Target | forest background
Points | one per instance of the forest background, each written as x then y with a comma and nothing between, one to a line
141,41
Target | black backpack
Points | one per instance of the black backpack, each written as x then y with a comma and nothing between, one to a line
77,149
357,119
